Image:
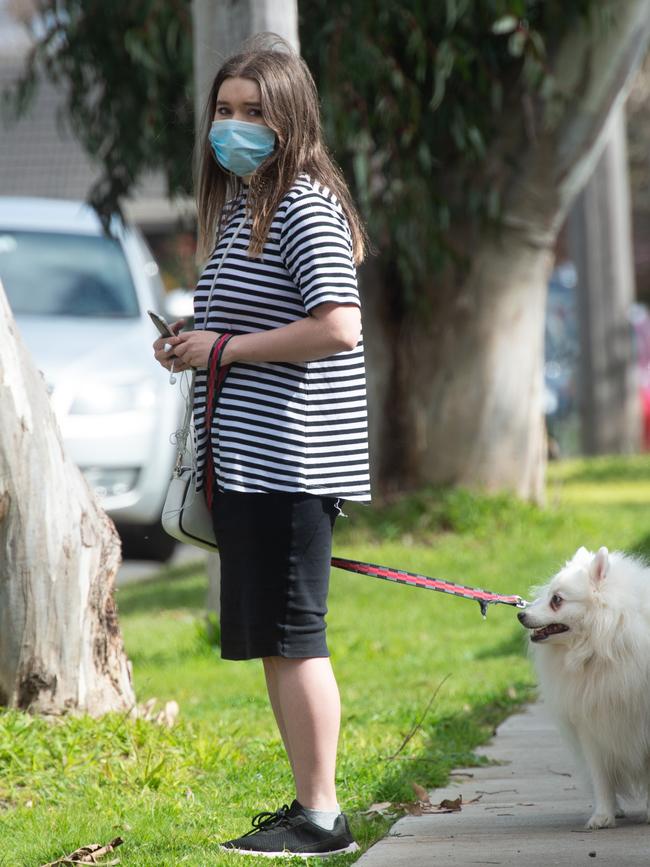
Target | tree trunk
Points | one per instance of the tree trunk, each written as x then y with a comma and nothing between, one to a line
60,644
454,409
460,399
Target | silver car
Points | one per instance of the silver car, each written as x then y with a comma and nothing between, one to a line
80,299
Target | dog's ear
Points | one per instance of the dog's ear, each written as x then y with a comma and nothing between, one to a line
599,566
581,557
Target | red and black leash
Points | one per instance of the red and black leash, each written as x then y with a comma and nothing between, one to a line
216,376
483,597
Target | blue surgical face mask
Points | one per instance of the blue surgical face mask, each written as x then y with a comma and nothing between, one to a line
241,147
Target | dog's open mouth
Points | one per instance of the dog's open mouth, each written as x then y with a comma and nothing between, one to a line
545,631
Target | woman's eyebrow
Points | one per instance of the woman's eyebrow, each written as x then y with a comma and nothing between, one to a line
254,103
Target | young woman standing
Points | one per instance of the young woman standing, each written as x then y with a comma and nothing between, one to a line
277,308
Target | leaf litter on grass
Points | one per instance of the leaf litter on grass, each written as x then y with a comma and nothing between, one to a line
89,854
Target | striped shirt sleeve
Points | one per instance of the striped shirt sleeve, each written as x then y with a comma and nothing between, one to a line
316,249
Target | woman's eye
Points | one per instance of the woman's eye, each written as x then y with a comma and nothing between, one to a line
255,112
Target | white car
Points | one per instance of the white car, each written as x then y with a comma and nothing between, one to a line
80,299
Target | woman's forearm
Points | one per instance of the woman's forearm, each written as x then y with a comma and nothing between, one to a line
334,329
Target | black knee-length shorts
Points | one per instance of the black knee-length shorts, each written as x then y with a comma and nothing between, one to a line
275,551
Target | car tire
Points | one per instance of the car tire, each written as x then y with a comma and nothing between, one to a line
146,542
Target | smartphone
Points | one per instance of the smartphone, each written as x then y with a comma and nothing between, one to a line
161,324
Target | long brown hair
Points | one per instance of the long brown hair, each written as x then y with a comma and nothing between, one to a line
289,103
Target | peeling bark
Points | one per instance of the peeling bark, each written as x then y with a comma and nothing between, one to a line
60,645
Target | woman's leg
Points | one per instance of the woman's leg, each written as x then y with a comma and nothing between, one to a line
272,688
306,703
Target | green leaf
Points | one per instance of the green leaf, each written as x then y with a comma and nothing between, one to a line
424,157
445,57
139,52
506,24
517,43
361,169
476,140
537,41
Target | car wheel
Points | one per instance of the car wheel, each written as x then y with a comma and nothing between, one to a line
146,542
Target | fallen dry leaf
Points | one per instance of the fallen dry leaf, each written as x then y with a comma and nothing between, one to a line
421,792
454,805
147,711
419,807
169,714
382,808
88,855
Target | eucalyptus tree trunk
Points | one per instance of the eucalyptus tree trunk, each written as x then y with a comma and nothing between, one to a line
461,400
60,643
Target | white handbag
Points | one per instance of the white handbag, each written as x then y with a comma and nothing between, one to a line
185,515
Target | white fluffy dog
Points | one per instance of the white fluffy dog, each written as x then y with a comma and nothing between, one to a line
590,637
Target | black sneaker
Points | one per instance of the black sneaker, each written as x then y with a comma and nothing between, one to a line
289,833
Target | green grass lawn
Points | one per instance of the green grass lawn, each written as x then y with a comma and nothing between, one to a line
173,794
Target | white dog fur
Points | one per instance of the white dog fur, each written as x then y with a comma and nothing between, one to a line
590,639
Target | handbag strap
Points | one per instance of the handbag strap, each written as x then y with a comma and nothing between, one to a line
184,431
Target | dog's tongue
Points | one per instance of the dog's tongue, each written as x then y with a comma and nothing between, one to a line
552,629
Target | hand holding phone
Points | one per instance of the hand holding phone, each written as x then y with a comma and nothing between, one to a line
161,324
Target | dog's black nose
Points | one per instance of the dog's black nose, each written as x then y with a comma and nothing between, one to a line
521,617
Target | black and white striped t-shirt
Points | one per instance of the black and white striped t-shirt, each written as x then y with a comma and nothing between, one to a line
285,426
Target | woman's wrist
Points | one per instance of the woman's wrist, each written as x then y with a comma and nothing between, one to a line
230,351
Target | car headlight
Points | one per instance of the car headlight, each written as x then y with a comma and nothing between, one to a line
104,399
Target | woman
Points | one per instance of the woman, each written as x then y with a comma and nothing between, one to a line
277,307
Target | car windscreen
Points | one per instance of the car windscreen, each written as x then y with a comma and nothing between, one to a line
57,274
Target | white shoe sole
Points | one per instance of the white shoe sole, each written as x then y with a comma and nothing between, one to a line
353,847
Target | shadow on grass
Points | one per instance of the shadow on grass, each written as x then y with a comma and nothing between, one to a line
180,587
514,645
430,512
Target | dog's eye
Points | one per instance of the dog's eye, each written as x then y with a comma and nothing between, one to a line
556,601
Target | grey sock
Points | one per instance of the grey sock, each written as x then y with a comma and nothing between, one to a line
323,818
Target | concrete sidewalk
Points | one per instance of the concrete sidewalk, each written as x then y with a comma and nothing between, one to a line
131,571
531,811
